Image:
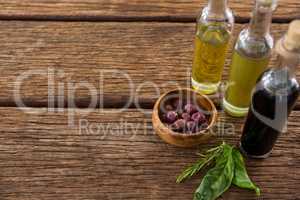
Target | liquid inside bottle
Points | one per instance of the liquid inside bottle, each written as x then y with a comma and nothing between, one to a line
250,58
211,43
268,115
243,75
273,99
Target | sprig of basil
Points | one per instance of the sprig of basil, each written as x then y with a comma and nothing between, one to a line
218,179
229,168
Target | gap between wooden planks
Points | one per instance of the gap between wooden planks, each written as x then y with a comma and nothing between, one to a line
62,58
42,156
143,10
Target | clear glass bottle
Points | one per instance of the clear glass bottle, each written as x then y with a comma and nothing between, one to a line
213,31
250,58
274,97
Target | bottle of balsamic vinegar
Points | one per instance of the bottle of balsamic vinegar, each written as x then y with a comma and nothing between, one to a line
213,33
274,97
250,58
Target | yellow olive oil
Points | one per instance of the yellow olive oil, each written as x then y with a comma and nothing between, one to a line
244,73
211,44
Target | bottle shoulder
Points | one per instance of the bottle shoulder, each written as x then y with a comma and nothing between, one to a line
213,33
278,81
255,47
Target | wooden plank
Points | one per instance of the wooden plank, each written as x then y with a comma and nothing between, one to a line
42,157
155,57
130,10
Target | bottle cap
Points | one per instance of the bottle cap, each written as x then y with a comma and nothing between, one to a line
292,38
289,45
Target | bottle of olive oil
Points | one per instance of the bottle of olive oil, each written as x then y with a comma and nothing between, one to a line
213,31
250,58
274,97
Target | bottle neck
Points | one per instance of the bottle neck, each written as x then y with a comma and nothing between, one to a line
283,74
261,20
217,7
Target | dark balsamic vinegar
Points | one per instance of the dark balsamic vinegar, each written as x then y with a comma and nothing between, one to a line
274,97
259,135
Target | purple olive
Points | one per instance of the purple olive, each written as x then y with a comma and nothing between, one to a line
179,125
204,125
171,117
199,117
186,116
190,108
191,126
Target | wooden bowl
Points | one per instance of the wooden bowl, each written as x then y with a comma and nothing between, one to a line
184,139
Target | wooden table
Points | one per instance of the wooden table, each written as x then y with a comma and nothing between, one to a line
58,148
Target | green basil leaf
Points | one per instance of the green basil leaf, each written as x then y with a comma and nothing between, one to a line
218,179
241,178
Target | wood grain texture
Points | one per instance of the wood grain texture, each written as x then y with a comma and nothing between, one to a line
156,57
124,10
42,157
